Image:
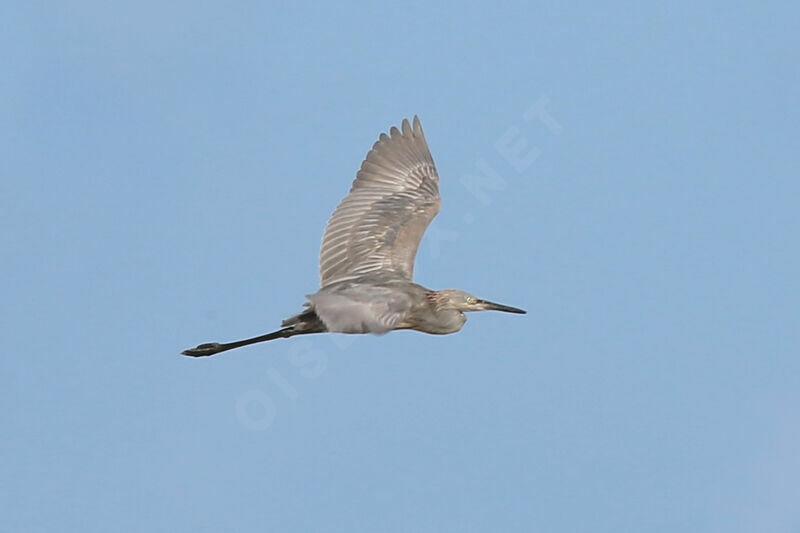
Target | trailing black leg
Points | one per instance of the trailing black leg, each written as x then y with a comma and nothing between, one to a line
212,348
300,324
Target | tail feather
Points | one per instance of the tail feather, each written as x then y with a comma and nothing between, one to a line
306,319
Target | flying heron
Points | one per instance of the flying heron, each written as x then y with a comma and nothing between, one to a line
367,257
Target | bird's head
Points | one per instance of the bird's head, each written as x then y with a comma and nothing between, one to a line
464,301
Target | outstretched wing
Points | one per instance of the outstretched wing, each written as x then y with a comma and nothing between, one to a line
378,226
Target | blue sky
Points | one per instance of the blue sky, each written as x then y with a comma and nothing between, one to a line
167,173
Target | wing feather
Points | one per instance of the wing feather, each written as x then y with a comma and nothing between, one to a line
379,224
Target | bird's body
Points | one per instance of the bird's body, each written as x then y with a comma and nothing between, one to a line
368,251
380,305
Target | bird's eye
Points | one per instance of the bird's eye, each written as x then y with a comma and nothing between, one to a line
472,300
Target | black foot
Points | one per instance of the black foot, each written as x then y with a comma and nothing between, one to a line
203,350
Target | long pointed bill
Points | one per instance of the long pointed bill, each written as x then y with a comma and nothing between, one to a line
491,306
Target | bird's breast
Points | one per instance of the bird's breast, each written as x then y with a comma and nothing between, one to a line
440,322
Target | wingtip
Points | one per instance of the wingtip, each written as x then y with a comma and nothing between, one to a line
408,128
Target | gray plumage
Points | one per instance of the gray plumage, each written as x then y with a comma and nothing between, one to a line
368,251
378,226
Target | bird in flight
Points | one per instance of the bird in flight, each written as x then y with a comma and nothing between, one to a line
366,261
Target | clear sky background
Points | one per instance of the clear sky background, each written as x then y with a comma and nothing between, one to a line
167,171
